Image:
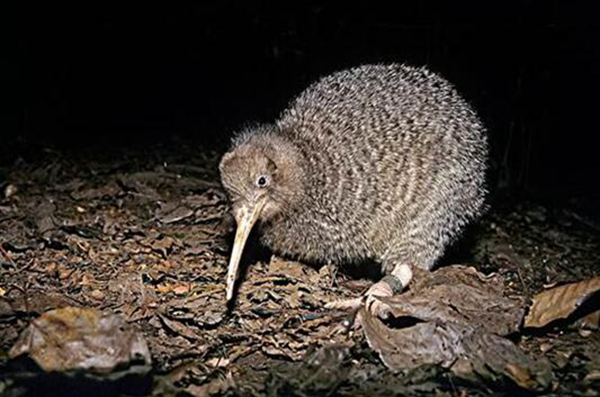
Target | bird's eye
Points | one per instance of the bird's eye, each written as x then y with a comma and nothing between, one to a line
261,181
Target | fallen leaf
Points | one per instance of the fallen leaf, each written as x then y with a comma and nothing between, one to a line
44,216
561,302
85,280
216,386
10,190
181,289
97,294
521,376
35,302
73,338
290,269
218,362
179,328
174,215
163,245
108,190
460,294
455,317
164,288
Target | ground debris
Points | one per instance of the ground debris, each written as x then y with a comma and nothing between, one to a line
31,303
565,301
72,338
460,294
457,318
147,235
322,372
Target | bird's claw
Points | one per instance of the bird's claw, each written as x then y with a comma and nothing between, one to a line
351,304
370,300
373,304
377,308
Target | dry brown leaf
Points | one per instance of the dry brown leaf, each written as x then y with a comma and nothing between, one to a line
44,216
10,190
216,386
50,268
108,190
179,328
455,317
460,294
218,362
174,215
560,302
521,376
291,269
85,280
73,338
164,288
181,289
33,302
163,245
97,294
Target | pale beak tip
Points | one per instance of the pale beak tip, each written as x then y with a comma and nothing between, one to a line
245,224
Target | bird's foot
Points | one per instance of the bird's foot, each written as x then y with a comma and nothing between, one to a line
370,300
386,287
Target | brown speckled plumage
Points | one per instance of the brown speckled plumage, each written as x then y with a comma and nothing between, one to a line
378,162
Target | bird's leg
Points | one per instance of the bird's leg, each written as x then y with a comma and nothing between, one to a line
389,285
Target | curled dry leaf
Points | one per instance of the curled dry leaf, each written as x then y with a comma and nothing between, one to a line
456,317
163,245
10,190
172,215
74,338
459,294
177,327
561,302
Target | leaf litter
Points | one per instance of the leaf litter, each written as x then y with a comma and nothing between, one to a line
458,319
561,302
73,338
144,237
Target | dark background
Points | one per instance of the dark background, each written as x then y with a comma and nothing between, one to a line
79,76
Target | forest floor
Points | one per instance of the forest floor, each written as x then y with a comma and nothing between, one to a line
146,234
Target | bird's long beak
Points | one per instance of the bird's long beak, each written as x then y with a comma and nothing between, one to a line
245,220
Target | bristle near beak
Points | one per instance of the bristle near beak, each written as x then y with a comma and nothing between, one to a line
245,221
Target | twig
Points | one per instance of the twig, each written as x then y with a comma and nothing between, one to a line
7,256
525,288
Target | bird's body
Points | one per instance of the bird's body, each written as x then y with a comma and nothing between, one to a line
378,163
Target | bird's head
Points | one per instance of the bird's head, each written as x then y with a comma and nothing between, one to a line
262,177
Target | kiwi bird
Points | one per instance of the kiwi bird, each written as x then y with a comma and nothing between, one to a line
378,163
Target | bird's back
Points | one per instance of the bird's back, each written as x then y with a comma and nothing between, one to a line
388,148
